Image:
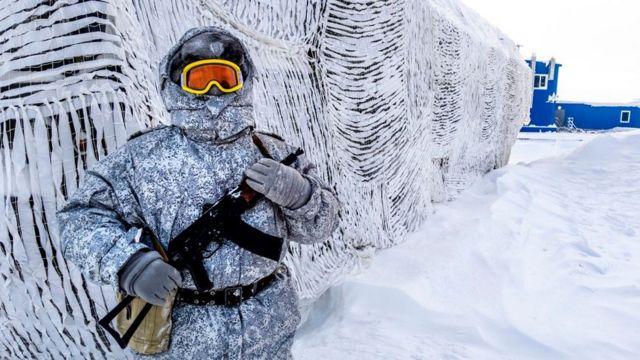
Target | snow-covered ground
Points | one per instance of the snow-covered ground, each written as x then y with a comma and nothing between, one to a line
534,146
539,260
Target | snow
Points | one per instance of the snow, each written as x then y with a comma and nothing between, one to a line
538,260
533,146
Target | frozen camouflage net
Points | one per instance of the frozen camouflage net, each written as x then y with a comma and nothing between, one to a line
402,103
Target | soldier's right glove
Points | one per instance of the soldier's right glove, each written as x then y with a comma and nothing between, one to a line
279,183
147,276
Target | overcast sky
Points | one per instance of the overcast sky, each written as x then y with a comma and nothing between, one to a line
596,41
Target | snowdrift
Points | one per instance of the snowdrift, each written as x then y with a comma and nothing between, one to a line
541,262
402,103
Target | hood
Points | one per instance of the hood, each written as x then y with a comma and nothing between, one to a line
208,117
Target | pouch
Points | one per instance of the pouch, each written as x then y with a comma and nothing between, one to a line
154,333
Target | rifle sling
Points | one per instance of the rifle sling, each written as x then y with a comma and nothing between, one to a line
253,240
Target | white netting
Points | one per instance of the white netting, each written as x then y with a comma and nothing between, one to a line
402,103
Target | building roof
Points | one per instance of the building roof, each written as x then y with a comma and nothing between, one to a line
603,104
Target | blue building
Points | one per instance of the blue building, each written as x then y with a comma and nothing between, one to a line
597,116
548,113
545,92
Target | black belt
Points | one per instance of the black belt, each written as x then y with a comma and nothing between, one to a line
229,296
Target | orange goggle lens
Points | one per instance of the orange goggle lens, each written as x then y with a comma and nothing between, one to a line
198,77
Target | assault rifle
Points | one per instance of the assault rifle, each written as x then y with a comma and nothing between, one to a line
219,221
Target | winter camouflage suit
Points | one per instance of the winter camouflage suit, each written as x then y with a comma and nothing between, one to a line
161,179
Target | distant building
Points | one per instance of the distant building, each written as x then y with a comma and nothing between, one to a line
548,113
594,116
545,93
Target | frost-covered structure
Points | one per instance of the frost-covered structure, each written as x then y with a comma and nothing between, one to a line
402,103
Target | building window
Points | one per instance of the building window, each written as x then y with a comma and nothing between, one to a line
540,82
625,117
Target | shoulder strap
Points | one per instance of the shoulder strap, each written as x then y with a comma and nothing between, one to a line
145,131
263,149
288,160
269,134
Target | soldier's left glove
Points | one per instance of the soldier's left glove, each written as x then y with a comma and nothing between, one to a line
147,276
280,183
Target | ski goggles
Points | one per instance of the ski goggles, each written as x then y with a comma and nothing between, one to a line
199,76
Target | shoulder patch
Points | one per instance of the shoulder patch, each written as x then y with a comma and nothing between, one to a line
146,131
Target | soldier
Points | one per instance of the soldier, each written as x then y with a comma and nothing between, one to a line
161,179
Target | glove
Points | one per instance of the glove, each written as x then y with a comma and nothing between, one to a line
280,183
147,276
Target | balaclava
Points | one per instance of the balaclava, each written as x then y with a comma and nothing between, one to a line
213,116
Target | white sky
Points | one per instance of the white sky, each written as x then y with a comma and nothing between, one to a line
596,41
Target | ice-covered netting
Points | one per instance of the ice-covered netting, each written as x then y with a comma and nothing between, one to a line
402,103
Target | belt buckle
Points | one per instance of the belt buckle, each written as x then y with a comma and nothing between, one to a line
233,296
